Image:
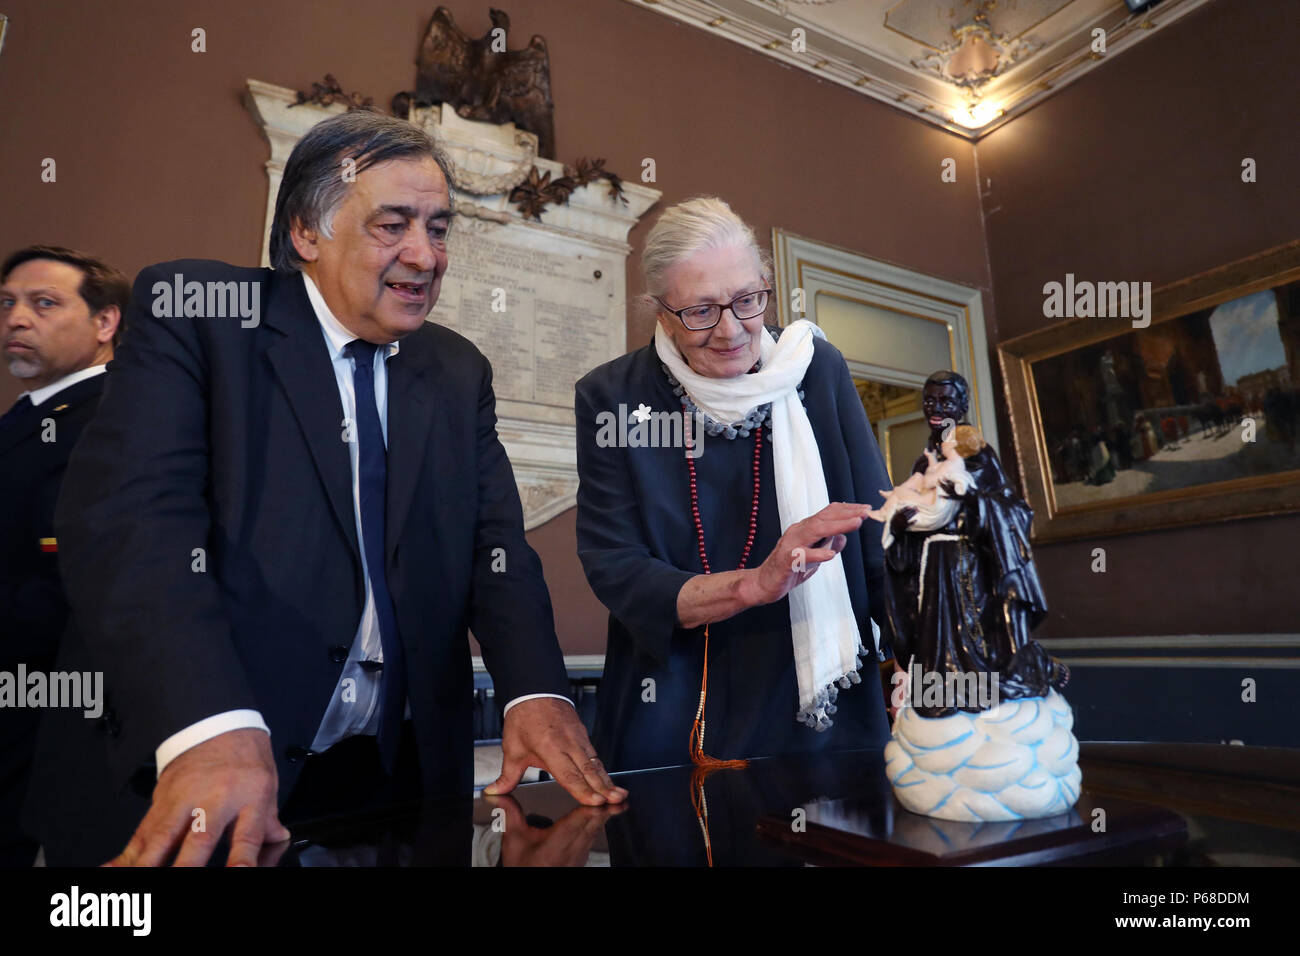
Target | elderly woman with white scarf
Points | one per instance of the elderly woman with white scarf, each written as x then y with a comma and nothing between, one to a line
743,602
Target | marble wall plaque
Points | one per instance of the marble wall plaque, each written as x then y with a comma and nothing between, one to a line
537,306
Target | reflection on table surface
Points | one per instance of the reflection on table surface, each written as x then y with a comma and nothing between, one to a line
677,817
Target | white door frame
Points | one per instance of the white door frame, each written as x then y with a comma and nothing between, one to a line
818,267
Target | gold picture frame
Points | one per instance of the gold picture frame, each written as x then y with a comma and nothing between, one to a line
1176,438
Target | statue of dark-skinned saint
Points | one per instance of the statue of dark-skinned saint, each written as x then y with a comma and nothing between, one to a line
962,596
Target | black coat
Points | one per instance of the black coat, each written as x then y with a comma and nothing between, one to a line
980,597
229,439
637,542
32,608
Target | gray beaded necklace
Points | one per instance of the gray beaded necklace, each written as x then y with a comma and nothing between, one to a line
762,415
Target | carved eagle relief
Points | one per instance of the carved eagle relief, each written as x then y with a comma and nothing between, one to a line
483,80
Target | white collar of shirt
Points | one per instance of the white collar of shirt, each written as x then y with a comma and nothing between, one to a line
336,334
40,395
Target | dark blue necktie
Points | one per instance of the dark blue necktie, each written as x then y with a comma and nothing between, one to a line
373,474
21,408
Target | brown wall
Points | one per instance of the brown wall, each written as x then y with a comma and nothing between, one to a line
1134,173
158,158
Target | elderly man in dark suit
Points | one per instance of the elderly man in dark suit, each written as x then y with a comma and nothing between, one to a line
280,530
60,315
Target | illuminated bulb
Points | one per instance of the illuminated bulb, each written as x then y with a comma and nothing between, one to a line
979,115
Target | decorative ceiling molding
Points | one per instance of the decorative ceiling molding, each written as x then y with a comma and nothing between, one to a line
967,66
932,22
975,51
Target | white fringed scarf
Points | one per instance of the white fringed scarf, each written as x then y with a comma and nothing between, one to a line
824,631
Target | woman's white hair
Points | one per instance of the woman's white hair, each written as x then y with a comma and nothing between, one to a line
686,228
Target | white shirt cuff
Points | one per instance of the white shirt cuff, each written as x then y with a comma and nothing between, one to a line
205,730
520,700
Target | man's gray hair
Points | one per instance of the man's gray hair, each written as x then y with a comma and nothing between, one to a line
318,173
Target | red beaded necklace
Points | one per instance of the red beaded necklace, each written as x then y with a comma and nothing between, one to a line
698,756
753,508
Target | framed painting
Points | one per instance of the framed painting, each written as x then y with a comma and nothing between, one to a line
1191,415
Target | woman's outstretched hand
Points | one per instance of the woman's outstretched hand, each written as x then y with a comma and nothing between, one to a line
804,547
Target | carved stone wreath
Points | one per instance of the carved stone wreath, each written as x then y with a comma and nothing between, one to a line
484,184
330,92
538,190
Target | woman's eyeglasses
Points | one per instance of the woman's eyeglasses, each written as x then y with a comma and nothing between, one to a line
706,315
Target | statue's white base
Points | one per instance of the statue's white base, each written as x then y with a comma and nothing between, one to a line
1018,761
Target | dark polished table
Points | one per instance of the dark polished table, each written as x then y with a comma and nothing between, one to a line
1143,804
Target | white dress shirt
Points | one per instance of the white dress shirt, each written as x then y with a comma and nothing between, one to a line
350,717
40,395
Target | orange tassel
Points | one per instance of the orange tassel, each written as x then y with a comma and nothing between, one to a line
698,756
704,764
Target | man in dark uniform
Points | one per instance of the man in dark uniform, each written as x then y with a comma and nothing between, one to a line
60,316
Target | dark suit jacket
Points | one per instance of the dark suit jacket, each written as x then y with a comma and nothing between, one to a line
32,609
229,439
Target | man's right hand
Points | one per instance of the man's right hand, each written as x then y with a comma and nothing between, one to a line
232,779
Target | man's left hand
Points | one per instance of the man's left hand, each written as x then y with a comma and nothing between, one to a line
545,732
